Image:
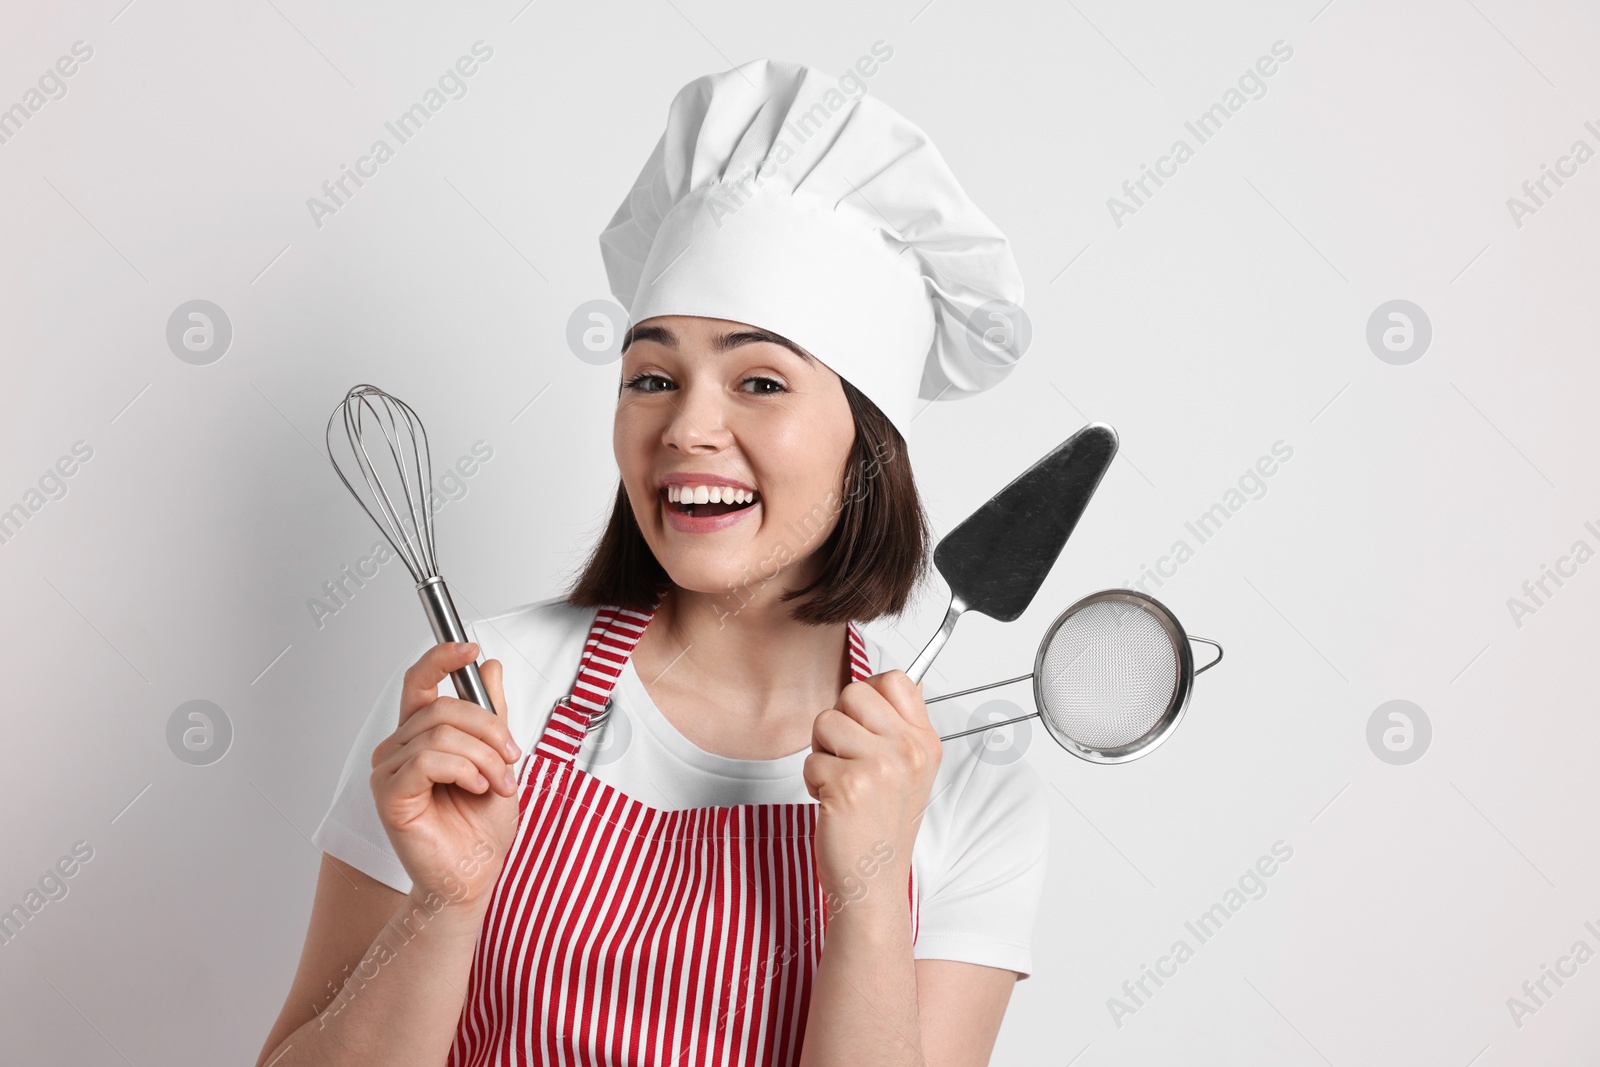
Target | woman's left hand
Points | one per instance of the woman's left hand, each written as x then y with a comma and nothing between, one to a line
872,766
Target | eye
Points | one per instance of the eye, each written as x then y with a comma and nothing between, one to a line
770,381
633,383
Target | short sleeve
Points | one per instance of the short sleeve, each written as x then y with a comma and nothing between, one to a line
351,830
989,851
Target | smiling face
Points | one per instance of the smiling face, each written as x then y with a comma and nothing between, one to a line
709,402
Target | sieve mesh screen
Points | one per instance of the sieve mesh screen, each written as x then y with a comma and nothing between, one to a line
1108,675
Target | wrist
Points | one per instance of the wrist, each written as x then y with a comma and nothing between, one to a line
882,863
871,901
876,922
426,909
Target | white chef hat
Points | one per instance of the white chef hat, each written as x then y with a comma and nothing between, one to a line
776,199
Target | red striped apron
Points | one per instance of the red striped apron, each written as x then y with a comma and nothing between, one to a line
620,934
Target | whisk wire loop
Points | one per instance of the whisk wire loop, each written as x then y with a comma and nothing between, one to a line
409,532
406,524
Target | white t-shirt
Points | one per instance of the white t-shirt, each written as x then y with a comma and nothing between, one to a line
980,854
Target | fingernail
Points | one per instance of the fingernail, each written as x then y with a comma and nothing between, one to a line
510,779
511,749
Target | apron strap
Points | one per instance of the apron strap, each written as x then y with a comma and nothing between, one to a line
612,635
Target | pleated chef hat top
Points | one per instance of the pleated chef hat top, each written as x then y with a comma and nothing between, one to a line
776,199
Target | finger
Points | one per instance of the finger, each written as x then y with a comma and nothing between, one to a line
450,739
835,733
416,776
493,679
464,715
820,771
456,741
903,695
422,678
868,704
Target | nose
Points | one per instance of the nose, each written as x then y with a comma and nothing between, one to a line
698,422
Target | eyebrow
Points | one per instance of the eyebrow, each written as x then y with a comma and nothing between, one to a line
719,344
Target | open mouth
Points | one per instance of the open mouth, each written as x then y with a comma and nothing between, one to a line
708,509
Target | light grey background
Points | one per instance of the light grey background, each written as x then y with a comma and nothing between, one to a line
1228,313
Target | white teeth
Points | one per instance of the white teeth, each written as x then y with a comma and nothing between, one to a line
708,494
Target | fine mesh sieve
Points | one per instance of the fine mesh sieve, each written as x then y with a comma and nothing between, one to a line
1111,679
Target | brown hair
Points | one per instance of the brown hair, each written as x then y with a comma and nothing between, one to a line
871,562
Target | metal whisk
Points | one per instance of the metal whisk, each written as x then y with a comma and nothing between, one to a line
402,462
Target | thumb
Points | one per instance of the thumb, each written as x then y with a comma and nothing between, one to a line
492,675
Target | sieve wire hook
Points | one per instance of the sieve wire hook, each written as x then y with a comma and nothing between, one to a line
1213,644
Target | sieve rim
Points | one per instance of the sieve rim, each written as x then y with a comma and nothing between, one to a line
1176,704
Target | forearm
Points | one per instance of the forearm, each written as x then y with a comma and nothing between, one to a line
864,995
401,1005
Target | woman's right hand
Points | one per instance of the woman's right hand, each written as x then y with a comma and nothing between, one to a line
442,782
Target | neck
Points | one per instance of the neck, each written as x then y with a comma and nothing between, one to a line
745,654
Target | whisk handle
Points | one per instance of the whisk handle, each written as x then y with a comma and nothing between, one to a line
441,612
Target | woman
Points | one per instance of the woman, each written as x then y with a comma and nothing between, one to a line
824,882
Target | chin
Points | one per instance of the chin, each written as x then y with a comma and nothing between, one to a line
713,577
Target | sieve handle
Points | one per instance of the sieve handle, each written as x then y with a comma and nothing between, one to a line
978,689
990,725
441,612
